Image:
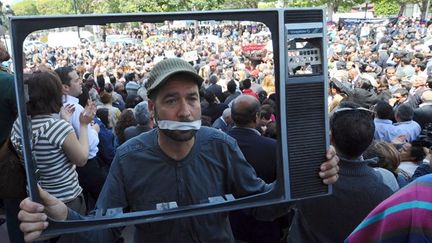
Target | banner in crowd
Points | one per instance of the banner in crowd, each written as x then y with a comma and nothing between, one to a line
190,56
357,21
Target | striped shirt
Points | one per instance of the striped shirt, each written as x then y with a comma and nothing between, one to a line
57,174
404,217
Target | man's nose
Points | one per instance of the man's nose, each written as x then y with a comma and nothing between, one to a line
184,109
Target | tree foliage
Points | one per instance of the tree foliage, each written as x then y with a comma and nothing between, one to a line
50,7
25,7
386,8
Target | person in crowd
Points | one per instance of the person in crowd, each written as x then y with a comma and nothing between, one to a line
335,95
403,217
57,168
394,84
384,128
233,92
404,117
224,122
418,87
107,143
214,108
360,187
399,97
107,102
127,119
388,158
215,88
9,114
412,156
423,114
260,152
88,176
179,161
268,84
131,84
247,83
117,99
144,121
133,100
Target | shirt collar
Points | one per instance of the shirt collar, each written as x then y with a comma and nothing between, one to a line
71,99
424,104
251,129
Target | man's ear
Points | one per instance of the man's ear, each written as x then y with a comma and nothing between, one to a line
65,88
151,106
331,138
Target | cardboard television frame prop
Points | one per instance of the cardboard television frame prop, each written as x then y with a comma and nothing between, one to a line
302,104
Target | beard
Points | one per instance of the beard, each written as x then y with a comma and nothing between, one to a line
176,135
179,136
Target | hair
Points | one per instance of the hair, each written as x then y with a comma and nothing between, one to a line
89,84
100,81
63,73
405,112
226,113
247,83
332,85
242,116
352,130
132,100
126,119
417,152
45,93
112,79
262,95
384,110
103,115
105,97
108,87
427,96
209,96
130,77
141,113
84,96
4,54
406,85
388,156
402,92
231,86
271,130
406,61
213,79
421,66
266,111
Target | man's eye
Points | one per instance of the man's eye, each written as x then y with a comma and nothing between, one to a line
170,101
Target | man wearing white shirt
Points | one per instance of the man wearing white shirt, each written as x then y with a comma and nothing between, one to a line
91,176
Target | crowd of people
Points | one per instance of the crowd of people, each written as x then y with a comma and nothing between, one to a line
101,96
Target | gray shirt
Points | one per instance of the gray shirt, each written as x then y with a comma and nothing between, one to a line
142,175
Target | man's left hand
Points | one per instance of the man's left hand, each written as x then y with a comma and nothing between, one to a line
329,169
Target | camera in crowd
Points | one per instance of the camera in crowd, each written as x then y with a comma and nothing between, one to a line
425,138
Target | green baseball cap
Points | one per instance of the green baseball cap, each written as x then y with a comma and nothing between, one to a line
166,68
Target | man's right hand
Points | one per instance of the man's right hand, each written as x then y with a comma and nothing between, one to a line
33,216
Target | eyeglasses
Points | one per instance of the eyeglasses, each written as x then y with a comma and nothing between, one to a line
342,109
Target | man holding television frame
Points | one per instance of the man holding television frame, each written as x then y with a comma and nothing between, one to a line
179,161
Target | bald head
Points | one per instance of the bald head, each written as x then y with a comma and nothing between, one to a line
244,111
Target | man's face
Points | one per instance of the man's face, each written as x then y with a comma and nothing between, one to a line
405,153
178,100
393,80
75,88
390,72
418,82
399,98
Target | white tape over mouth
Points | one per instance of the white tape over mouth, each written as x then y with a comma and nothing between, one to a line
176,125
